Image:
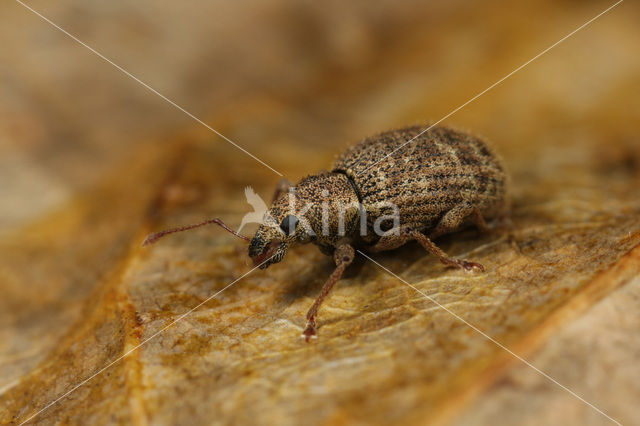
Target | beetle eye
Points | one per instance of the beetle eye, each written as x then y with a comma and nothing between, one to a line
289,224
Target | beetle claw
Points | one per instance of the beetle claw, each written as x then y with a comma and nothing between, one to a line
471,266
309,332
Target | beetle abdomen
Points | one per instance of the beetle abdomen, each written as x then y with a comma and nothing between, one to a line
427,177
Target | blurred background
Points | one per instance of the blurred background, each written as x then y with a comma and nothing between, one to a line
89,157
290,80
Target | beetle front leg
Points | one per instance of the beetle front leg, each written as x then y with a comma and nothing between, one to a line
283,186
343,256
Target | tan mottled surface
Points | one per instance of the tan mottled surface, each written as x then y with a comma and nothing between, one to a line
90,162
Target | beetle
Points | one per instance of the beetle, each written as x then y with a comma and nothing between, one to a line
380,194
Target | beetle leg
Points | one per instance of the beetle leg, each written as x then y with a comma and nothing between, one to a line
456,217
502,222
478,221
283,186
444,258
343,256
390,242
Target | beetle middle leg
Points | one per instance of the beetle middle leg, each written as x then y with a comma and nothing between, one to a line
343,256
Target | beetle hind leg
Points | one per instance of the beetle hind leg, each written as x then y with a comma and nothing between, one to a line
392,241
457,216
430,246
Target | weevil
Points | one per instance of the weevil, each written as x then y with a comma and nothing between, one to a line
394,192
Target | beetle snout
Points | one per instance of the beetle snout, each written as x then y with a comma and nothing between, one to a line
265,253
256,247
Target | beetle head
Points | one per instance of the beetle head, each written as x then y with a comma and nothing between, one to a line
282,226
273,238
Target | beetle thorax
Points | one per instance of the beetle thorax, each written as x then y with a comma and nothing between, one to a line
326,206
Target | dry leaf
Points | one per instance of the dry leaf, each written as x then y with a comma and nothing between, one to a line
87,181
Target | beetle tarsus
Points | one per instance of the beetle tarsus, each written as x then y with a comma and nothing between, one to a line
471,266
310,332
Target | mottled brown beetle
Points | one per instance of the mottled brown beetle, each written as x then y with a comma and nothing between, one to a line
441,181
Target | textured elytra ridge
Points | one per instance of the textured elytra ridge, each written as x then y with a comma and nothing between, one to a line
426,174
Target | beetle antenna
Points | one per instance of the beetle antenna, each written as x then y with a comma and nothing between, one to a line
152,238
